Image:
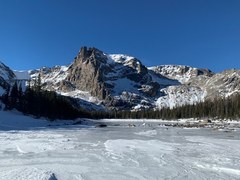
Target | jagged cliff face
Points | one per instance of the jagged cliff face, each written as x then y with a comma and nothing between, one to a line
5,72
6,75
94,71
123,82
223,84
183,74
117,81
88,70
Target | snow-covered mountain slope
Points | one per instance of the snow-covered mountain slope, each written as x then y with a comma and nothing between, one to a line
5,72
6,75
223,84
50,77
116,81
180,95
188,92
54,79
121,61
183,74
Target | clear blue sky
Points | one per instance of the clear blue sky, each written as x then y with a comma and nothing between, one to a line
199,33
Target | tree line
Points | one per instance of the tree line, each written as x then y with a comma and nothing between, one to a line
41,103
218,108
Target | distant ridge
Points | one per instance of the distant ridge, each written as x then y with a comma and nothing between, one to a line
122,82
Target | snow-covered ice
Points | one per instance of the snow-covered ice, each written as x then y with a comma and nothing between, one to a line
147,151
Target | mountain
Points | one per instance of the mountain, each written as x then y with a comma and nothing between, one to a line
186,92
115,81
98,81
224,84
183,74
6,75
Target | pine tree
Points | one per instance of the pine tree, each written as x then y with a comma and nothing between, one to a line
13,96
39,83
6,99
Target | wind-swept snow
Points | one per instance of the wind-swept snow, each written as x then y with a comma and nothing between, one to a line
27,173
145,151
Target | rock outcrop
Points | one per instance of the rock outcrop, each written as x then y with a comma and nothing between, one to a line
122,82
109,77
117,81
184,74
6,77
224,84
88,70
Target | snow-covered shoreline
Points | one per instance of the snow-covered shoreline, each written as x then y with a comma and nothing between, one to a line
14,120
36,149
226,125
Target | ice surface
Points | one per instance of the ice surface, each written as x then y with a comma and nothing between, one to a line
147,151
26,173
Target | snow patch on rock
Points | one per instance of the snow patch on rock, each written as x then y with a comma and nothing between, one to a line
179,96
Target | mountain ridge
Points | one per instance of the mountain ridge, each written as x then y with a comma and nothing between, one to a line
122,82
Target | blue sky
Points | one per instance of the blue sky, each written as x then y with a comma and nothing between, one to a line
199,33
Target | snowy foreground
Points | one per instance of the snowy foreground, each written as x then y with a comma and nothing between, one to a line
39,150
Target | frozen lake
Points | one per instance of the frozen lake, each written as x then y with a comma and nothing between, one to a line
119,152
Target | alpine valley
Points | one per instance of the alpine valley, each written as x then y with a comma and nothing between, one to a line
99,81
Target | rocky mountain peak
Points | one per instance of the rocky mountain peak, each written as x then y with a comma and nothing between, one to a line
121,81
87,72
91,55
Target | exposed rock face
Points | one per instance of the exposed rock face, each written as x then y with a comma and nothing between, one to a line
88,70
117,81
123,82
223,84
6,76
199,87
108,77
53,78
5,72
183,74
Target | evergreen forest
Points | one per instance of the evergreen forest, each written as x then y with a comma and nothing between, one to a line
41,103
